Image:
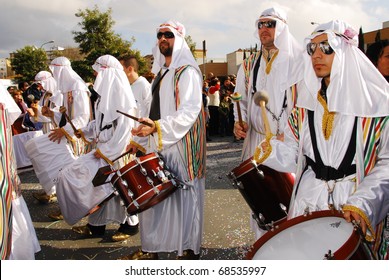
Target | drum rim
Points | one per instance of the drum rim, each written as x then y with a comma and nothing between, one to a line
340,254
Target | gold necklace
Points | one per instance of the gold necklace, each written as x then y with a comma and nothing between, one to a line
328,118
270,62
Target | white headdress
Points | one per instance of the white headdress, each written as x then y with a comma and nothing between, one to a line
181,52
49,84
290,51
113,87
356,87
67,79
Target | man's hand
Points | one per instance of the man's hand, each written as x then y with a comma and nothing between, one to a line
350,216
56,135
144,130
239,131
132,149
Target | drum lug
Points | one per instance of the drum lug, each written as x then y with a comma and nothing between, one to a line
329,256
151,183
143,170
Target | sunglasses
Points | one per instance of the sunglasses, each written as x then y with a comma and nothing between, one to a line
323,46
167,34
267,24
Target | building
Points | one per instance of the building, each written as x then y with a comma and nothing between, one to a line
369,37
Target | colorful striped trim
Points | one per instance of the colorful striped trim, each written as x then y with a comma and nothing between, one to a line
6,186
248,64
194,145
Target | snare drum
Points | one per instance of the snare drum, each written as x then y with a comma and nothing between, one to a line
266,191
318,235
144,182
48,158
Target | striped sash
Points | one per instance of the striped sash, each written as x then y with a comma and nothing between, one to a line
193,143
5,185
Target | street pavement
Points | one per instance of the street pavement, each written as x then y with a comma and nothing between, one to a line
227,234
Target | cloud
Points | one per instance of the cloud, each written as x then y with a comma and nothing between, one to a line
225,25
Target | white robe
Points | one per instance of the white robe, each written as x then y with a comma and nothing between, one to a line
371,195
75,191
176,223
252,115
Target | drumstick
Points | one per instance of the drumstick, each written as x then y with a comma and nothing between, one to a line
260,99
135,118
63,111
236,96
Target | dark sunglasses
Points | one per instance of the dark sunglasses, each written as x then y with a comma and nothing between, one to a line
167,34
267,24
323,46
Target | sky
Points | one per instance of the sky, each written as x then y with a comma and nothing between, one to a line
225,25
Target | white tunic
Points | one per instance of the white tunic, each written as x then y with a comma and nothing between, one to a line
176,223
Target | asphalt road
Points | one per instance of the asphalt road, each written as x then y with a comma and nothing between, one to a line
227,235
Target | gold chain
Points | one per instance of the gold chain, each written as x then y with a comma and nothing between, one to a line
328,118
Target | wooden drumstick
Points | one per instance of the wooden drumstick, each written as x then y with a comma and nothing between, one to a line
261,98
135,118
236,97
63,111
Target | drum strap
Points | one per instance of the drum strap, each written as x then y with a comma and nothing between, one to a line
155,110
255,74
325,172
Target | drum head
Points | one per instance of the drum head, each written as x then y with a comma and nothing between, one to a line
308,238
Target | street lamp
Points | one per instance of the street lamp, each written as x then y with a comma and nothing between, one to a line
48,42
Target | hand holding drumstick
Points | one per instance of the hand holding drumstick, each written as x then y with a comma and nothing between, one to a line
240,127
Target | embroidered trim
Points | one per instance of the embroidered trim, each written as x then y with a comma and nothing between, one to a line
352,208
138,146
159,132
328,118
104,157
270,62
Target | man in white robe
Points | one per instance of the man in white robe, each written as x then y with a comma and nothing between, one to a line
111,131
279,68
178,134
44,151
337,141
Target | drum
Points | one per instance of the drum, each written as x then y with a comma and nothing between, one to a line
144,182
266,191
318,235
48,158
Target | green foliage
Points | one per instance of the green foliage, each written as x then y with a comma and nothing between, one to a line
97,38
27,62
191,44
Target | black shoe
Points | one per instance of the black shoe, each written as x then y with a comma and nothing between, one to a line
128,229
89,230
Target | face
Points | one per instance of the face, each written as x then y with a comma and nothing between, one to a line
321,62
383,62
266,33
165,44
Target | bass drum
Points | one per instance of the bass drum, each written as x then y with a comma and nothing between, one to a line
315,236
266,191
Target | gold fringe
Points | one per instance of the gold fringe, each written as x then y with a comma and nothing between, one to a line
328,118
159,132
266,154
352,208
104,157
138,146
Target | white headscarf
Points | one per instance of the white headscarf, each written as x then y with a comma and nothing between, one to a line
67,79
356,87
290,51
113,87
181,52
9,104
49,84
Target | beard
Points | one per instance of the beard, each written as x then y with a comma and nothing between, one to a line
165,49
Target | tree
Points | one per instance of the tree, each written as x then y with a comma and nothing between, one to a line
27,62
191,44
97,38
